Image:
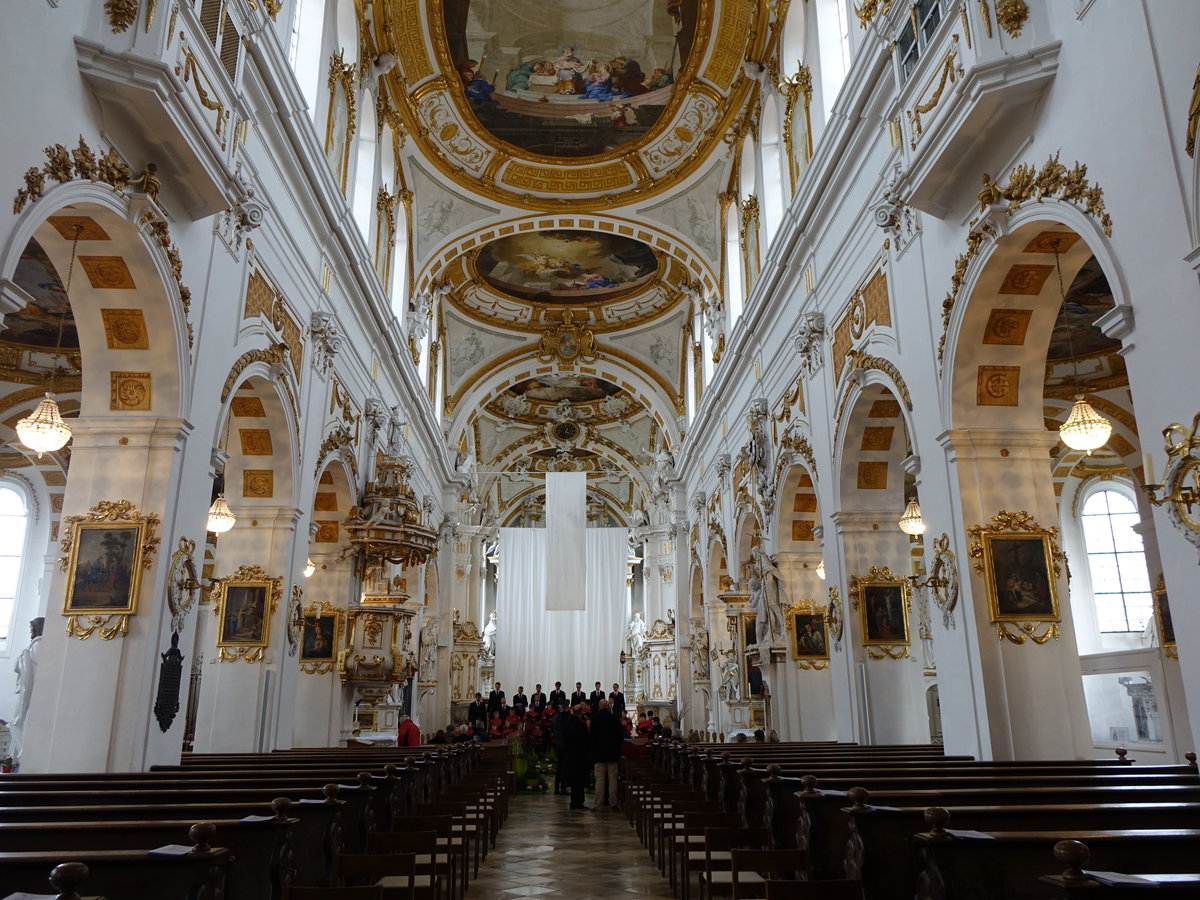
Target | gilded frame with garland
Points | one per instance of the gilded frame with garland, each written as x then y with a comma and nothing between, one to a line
1020,563
798,617
241,598
883,599
314,659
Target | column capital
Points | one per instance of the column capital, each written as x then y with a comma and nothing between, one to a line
995,443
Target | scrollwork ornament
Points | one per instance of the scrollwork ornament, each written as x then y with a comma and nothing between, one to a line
249,654
1181,480
944,579
105,626
294,630
833,616
183,585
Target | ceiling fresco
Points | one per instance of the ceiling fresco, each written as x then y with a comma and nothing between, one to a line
569,79
558,386
1088,298
566,266
37,322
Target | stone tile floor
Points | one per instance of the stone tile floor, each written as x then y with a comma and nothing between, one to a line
546,850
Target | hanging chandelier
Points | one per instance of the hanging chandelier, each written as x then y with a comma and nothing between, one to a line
911,522
309,567
821,570
44,431
220,516
1085,429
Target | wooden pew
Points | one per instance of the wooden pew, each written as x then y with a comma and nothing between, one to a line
262,851
876,833
1004,865
121,874
1077,884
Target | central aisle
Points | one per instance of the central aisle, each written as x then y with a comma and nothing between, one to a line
547,850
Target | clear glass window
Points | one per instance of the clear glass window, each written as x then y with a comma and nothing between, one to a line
1116,562
14,519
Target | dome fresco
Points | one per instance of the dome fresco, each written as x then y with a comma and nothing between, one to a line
556,386
569,79
566,266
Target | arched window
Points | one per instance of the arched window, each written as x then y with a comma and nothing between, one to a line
1116,561
14,522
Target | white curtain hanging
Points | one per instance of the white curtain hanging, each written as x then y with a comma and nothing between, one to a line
566,523
535,645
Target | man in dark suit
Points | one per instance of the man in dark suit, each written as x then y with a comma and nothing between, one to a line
477,711
537,701
496,704
595,697
520,701
575,756
558,697
616,702
578,696
605,738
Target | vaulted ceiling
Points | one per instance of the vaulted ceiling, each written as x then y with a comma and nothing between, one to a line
568,159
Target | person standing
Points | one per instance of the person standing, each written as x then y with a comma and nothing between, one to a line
496,704
520,702
616,702
558,697
558,727
477,711
537,701
595,697
605,739
575,756
578,696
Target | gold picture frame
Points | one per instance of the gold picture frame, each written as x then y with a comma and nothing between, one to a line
1020,563
808,634
244,603
320,638
1162,618
883,600
104,555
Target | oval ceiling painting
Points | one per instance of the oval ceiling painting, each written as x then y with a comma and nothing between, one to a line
555,387
566,266
569,78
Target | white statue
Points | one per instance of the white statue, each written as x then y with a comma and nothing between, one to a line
26,669
636,634
731,677
774,596
489,636
699,649
757,605
429,652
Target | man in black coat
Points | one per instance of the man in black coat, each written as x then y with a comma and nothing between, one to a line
574,755
477,711
558,697
616,702
537,701
595,697
578,696
605,738
520,701
496,704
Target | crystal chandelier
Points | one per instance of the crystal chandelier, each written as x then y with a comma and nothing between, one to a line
309,567
44,431
1085,429
220,516
821,570
911,522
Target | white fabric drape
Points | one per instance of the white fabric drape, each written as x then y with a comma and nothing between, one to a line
535,645
566,521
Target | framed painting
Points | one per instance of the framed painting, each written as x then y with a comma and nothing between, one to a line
104,554
808,635
883,600
1162,617
244,603
320,638
103,574
1020,564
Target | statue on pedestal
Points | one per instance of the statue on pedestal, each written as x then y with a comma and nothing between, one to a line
636,634
489,636
774,596
26,669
